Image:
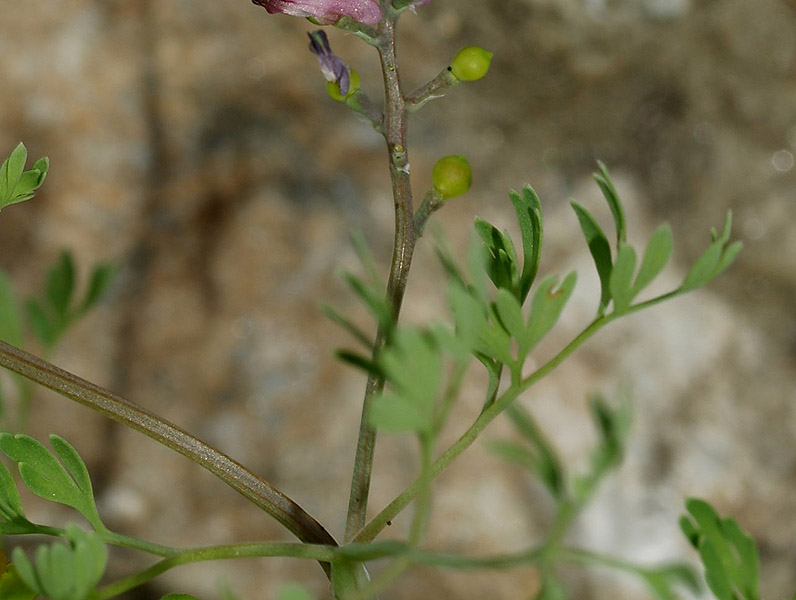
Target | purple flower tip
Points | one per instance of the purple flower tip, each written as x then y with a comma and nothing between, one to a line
332,66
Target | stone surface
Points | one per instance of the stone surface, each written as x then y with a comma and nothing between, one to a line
193,144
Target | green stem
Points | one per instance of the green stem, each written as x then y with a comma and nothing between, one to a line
395,126
432,90
258,491
117,539
379,522
320,552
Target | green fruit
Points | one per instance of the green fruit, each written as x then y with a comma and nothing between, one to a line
471,63
333,88
451,176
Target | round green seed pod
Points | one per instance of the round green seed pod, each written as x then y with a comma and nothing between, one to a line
451,176
471,63
333,88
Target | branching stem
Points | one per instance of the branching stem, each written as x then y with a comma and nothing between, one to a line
322,553
379,522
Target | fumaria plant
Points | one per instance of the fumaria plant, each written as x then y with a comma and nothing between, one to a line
500,309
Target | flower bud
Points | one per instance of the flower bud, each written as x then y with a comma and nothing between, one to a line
451,176
354,85
471,63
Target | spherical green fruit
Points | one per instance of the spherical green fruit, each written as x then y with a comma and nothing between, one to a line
451,176
471,63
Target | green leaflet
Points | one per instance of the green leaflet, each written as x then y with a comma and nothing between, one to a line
600,251
620,282
548,302
529,216
61,284
549,467
714,260
17,184
412,363
612,422
55,312
66,483
501,257
656,255
502,263
64,571
732,567
662,581
603,179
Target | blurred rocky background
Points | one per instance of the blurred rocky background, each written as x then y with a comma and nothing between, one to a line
192,143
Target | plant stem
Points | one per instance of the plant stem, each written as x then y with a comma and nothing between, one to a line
258,491
379,522
320,552
395,125
118,539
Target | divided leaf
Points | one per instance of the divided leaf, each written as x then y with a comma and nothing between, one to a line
501,257
412,363
732,567
714,260
66,483
51,316
16,184
64,571
12,517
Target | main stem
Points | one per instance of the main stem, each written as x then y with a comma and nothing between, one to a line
395,119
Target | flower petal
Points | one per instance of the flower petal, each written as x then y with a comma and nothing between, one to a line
326,11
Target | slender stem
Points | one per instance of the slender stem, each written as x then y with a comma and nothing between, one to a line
433,89
118,539
379,522
395,124
320,552
275,503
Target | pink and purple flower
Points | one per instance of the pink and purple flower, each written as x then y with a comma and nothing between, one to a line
327,12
